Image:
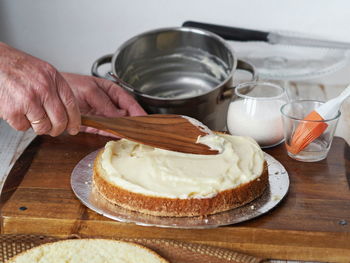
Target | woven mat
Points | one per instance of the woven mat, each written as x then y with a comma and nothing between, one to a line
174,251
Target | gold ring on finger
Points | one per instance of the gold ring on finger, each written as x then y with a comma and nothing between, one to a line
39,120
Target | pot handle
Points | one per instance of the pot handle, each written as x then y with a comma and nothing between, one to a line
242,65
100,61
110,75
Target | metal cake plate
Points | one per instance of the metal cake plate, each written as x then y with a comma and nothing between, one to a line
81,182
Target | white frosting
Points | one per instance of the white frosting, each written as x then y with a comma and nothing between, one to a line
211,140
152,171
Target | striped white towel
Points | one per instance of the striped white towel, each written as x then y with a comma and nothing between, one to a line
12,145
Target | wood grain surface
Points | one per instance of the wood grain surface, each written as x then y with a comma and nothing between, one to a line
311,223
165,131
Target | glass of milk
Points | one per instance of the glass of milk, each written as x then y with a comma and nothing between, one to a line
255,111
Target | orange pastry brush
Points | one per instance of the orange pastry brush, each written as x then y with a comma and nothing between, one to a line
313,125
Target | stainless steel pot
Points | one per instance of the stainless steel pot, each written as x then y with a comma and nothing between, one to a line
178,71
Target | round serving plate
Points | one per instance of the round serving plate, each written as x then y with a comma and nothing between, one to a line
81,182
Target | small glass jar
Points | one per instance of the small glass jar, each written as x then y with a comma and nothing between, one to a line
254,111
315,148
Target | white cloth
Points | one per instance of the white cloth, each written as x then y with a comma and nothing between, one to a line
12,145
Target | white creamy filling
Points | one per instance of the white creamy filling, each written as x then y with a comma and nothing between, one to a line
152,171
213,141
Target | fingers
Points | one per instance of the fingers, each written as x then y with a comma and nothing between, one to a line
46,114
39,120
96,131
69,103
121,98
19,123
52,108
103,105
102,97
134,108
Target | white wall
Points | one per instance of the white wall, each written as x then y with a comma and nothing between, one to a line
71,34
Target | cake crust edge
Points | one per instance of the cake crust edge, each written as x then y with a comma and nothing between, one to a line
176,207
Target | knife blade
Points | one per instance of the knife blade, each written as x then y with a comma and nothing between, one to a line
242,34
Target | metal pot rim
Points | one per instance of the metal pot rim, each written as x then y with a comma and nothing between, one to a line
185,29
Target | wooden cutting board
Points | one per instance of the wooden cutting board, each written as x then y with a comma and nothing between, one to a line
311,223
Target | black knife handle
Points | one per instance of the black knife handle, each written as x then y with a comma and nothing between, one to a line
230,33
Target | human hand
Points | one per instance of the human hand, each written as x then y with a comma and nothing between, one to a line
101,97
34,94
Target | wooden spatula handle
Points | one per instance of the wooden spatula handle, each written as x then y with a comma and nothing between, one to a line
95,122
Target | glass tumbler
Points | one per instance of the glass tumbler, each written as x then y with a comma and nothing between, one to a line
293,117
255,111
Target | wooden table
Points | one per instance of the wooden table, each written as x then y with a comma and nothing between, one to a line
311,223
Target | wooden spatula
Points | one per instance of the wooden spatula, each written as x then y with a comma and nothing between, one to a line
169,132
